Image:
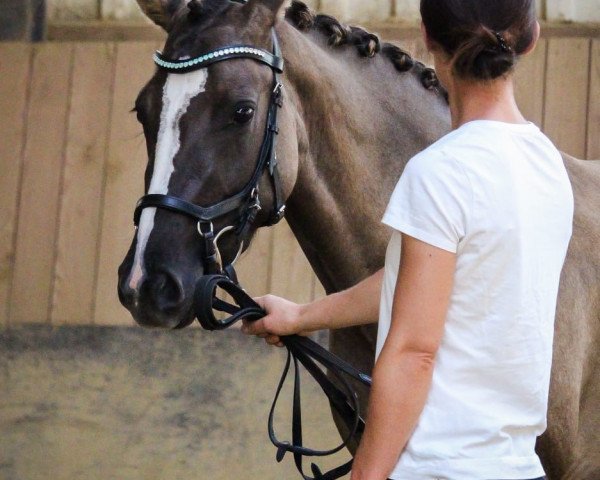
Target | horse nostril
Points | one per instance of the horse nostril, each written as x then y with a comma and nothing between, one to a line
166,291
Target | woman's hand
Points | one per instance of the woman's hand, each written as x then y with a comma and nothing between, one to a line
283,318
358,305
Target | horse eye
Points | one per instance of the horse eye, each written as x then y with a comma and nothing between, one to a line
243,115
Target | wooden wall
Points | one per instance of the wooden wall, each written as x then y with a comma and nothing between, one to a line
72,160
357,10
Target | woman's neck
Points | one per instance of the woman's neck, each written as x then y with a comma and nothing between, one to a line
477,100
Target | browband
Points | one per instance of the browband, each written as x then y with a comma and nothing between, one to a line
239,51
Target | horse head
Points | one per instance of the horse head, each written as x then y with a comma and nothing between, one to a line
212,176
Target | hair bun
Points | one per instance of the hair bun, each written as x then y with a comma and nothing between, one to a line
485,55
483,39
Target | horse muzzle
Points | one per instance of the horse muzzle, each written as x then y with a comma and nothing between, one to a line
159,299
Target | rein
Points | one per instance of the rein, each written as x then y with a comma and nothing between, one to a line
301,350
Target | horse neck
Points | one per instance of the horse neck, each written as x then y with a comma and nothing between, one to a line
361,121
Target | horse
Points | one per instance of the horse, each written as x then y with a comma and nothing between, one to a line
355,110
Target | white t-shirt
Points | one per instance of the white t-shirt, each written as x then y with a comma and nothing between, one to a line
498,196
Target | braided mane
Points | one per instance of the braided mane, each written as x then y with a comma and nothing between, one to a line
367,44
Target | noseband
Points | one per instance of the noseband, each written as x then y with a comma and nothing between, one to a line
246,202
342,398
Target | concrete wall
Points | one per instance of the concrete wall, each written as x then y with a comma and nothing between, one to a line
355,10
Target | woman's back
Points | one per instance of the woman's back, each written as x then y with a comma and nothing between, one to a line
498,196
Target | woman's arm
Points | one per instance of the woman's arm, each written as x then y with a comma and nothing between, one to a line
356,306
402,374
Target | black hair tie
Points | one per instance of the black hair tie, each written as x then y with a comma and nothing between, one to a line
502,43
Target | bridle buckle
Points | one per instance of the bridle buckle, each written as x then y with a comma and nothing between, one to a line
206,233
278,94
255,201
279,215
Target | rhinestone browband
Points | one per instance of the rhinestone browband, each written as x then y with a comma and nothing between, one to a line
221,54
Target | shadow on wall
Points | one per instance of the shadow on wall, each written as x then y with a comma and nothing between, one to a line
87,403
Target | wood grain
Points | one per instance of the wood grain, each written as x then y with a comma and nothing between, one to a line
42,166
125,166
565,115
318,289
292,276
62,242
254,268
593,131
74,284
421,53
14,71
530,81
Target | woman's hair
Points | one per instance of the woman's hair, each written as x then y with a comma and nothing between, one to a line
483,37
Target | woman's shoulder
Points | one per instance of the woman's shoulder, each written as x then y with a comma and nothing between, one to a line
485,143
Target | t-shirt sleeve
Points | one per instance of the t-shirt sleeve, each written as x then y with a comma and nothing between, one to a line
431,201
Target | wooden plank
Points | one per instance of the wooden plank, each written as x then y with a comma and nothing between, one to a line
567,93
121,10
38,208
124,184
254,268
15,62
73,10
74,284
318,289
354,10
131,30
530,80
573,10
291,276
421,53
593,132
105,31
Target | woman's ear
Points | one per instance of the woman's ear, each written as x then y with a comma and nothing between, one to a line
534,41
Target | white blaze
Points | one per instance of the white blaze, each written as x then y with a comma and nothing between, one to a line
178,92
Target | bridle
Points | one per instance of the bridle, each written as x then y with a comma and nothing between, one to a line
342,398
246,202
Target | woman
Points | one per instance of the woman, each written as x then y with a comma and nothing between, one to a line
480,221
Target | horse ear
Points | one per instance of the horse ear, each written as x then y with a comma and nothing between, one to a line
161,12
274,5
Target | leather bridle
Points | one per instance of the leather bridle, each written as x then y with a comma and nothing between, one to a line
246,202
342,398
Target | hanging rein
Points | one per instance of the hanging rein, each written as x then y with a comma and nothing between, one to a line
301,350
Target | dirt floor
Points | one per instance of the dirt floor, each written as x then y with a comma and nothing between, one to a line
125,403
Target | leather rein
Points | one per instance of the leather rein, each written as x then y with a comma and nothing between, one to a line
300,350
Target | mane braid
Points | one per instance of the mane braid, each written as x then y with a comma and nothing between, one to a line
299,15
366,43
